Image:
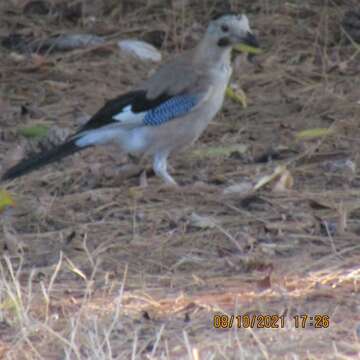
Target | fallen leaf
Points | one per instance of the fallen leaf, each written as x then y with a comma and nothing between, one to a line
5,200
35,131
74,269
140,49
313,133
66,42
237,95
202,222
286,182
241,188
279,170
17,58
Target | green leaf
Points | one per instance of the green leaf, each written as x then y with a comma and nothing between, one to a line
313,133
247,49
5,200
237,96
34,132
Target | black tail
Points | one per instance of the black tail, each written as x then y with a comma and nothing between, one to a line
41,159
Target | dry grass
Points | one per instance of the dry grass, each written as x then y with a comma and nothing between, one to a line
93,267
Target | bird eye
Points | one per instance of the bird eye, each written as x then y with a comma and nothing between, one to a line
224,28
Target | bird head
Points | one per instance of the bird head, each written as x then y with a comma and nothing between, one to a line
230,30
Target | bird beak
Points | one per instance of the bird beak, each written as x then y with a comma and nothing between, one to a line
250,40
248,44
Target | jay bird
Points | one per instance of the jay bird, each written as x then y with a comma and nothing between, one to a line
165,113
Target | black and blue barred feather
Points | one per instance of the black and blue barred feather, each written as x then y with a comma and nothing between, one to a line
157,111
138,101
175,107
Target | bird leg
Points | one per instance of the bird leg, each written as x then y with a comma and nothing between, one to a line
160,168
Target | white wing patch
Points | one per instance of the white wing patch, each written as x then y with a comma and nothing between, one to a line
127,117
96,137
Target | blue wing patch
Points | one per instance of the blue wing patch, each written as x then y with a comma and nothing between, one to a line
170,109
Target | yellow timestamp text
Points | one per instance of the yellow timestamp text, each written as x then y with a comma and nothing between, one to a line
270,321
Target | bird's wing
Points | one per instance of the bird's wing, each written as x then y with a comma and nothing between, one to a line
127,110
159,100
